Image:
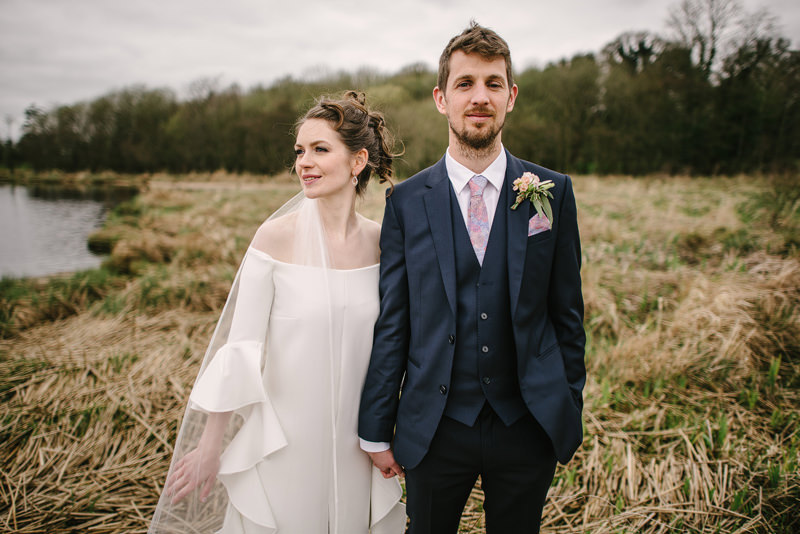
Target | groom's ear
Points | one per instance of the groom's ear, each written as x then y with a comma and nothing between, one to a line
439,100
512,97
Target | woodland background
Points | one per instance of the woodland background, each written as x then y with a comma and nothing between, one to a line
719,95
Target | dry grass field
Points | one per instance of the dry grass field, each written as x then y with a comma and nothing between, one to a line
692,290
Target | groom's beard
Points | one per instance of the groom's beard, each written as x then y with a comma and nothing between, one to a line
479,140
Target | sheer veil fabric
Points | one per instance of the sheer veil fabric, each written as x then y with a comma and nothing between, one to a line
288,358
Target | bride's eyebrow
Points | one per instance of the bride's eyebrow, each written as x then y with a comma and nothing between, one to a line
313,143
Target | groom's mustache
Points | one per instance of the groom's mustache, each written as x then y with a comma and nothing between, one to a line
479,111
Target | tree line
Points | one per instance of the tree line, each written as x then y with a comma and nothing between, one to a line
720,98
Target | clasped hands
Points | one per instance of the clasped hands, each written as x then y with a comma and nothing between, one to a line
200,466
386,463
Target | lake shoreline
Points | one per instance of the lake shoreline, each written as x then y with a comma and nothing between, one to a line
47,226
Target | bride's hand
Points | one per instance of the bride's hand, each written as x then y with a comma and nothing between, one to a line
198,468
386,463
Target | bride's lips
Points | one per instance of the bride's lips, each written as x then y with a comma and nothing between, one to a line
310,178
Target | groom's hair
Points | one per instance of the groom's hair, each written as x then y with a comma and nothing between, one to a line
476,39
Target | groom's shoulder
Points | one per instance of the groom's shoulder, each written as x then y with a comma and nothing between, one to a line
417,183
559,179
542,172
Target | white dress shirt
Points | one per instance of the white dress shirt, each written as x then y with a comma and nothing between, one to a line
459,177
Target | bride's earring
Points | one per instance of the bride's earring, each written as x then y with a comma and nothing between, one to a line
355,180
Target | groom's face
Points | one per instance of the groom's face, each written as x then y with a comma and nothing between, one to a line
476,98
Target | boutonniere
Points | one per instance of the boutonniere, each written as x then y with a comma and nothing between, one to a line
528,187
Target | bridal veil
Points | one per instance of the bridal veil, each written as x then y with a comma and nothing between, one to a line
231,379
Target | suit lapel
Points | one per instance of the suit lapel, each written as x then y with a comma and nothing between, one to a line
438,209
517,231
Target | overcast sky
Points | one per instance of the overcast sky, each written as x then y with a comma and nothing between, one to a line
66,51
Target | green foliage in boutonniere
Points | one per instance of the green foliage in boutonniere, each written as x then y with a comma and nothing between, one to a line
528,187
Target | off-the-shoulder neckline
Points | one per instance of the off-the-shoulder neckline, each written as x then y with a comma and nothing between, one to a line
267,257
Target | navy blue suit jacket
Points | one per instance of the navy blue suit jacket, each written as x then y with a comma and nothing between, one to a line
413,344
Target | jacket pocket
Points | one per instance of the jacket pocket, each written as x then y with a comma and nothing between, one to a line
541,236
549,351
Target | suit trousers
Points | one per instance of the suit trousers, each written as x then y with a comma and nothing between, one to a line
516,464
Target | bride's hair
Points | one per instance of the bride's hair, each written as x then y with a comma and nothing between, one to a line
359,127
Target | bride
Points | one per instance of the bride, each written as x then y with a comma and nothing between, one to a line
273,414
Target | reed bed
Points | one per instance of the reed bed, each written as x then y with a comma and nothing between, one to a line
692,290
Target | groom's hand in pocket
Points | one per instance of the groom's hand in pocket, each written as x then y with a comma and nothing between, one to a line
386,463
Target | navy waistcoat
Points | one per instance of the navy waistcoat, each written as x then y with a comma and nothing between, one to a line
485,362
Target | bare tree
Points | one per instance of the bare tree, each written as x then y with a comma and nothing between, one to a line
701,25
9,125
635,49
204,88
755,26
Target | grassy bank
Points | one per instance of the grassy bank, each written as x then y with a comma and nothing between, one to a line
692,290
77,180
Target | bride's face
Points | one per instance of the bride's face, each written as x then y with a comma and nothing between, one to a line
324,164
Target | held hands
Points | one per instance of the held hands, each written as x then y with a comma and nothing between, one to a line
386,463
198,468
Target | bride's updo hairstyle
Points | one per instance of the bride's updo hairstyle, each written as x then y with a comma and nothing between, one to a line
358,127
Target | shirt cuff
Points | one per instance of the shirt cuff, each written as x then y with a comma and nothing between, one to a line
374,446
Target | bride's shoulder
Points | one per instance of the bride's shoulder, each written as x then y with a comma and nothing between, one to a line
372,234
372,228
275,236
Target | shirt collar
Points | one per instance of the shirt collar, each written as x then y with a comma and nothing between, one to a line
460,176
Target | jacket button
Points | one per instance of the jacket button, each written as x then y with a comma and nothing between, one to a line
484,316
451,339
443,389
484,349
486,380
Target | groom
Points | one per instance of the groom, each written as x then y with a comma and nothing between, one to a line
477,364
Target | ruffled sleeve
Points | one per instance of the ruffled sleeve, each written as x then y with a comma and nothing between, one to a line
232,379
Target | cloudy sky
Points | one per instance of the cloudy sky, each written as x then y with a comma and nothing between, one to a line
61,52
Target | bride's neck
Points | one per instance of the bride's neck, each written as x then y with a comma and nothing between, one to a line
338,216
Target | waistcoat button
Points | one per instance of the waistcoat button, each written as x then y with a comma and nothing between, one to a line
443,389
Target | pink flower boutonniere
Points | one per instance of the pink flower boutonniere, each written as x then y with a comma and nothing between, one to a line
528,187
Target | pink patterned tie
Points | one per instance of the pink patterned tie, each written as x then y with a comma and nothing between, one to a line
478,218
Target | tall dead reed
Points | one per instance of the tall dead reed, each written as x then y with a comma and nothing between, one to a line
693,322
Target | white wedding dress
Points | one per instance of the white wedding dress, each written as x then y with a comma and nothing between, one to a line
292,368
